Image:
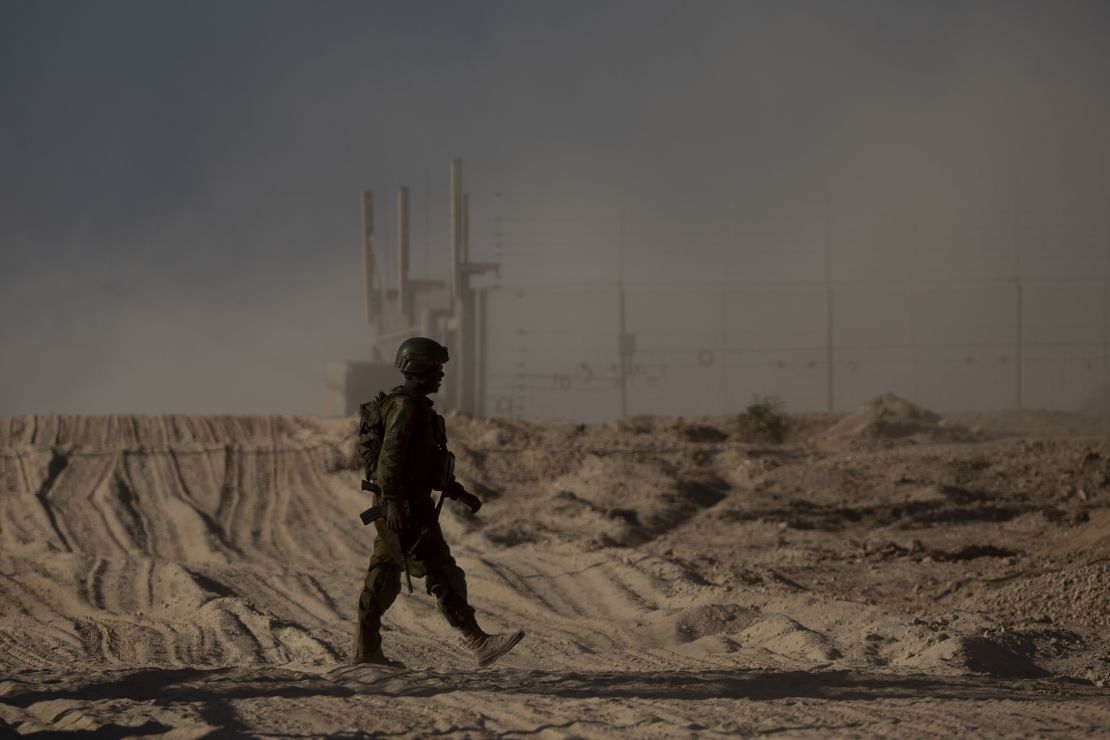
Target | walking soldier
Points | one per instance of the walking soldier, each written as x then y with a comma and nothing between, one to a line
403,444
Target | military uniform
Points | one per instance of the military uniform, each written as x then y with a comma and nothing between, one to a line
411,464
412,461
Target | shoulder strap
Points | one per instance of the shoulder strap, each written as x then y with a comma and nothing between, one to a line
403,391
376,402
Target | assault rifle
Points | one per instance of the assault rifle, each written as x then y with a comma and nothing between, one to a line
454,490
392,539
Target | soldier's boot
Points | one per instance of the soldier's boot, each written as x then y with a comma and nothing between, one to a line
448,585
368,641
377,658
383,583
487,648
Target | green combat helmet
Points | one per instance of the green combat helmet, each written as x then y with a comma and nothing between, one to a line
418,355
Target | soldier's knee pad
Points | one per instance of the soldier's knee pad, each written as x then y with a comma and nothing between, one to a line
448,585
383,584
451,579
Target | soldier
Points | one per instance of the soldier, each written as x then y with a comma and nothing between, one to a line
413,460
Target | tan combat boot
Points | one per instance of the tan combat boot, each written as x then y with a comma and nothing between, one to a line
488,648
376,658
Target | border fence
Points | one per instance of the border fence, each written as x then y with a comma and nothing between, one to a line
703,350
611,308
596,325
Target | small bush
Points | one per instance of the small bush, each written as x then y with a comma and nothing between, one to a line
762,420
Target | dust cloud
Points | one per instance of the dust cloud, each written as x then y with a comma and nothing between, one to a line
180,199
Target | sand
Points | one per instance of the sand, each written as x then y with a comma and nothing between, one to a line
888,572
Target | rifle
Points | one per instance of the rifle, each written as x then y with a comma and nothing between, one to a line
392,540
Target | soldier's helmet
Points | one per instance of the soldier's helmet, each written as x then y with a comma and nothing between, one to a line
418,355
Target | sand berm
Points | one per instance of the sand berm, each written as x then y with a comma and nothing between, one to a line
888,572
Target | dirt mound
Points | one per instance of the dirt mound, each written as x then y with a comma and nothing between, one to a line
647,553
890,419
978,655
697,622
1075,597
1090,540
1035,423
612,500
154,433
784,636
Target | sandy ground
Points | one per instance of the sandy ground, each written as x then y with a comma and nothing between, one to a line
881,573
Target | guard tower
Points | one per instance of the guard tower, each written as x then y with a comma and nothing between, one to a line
451,311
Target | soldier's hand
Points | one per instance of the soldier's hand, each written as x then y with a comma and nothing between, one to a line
456,491
471,501
395,517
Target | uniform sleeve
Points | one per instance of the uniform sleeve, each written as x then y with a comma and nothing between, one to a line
399,424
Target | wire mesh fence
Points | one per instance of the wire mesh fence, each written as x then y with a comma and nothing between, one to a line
594,319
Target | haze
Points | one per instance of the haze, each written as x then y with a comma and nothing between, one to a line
179,197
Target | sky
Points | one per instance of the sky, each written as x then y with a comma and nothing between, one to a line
179,181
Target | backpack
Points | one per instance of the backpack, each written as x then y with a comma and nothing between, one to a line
371,429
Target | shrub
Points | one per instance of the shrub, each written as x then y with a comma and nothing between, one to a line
763,421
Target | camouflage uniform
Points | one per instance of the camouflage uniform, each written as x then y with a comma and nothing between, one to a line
413,454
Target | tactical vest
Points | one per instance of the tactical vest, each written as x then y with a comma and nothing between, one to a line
433,464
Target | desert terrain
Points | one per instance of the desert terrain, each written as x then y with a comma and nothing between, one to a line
885,572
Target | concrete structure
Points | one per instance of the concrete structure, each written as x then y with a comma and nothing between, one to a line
450,311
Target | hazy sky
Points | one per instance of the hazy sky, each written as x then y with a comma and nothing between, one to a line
179,181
